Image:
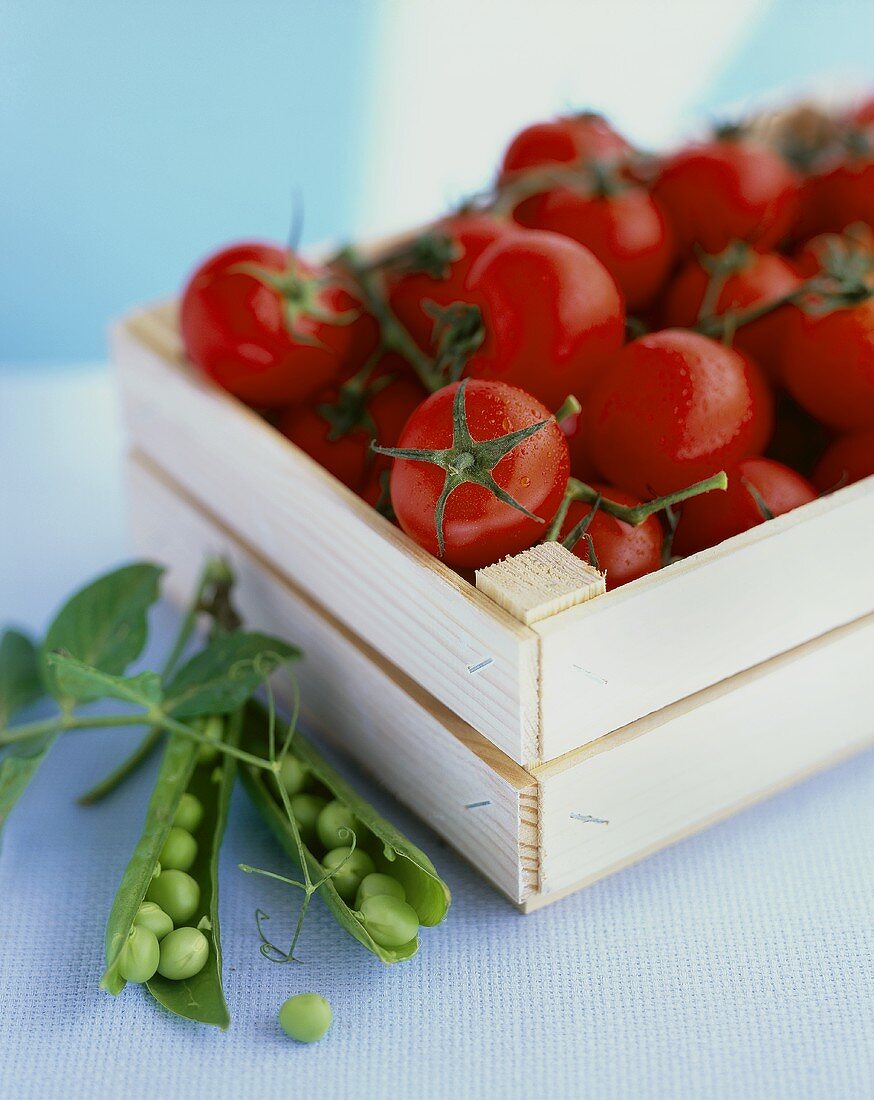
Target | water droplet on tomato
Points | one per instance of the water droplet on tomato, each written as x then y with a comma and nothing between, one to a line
506,423
526,481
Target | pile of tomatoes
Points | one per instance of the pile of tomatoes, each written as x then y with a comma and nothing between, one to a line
639,355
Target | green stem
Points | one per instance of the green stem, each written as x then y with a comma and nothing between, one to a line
62,723
393,334
631,514
636,514
569,407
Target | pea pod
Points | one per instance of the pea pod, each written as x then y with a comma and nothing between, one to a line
392,853
200,998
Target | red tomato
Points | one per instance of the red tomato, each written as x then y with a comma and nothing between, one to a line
841,194
863,115
269,345
626,230
713,517
553,317
467,236
848,459
479,528
337,429
673,409
757,278
577,139
582,465
724,190
624,552
827,364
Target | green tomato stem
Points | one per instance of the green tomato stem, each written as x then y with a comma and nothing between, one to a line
569,407
393,334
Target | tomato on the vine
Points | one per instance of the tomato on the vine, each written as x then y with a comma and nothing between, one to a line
575,139
622,224
552,317
814,255
674,408
338,427
622,550
270,328
746,278
431,270
758,490
478,471
849,458
827,363
728,189
842,192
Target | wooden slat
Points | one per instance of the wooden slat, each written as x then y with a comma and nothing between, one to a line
696,762
419,614
667,636
434,762
540,582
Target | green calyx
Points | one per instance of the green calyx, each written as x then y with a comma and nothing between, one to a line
429,254
468,461
458,332
351,410
300,296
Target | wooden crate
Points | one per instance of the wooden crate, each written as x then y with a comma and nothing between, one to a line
549,754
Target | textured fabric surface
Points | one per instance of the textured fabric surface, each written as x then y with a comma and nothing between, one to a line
737,964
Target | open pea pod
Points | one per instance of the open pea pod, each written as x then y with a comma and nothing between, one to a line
200,998
392,852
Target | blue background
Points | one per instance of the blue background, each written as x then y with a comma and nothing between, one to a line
136,136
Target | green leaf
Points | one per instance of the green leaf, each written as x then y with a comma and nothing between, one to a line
391,851
223,676
17,767
80,682
20,680
104,625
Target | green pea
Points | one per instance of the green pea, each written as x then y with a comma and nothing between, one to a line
179,851
334,825
177,893
306,809
356,866
154,918
378,885
183,954
293,775
139,957
305,1017
189,813
389,921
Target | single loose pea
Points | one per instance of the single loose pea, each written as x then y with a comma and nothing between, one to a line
305,1017
347,880
389,921
306,809
189,813
139,957
377,885
177,893
293,775
335,825
154,918
183,954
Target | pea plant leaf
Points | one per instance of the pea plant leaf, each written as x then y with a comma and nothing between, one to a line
20,680
18,765
225,673
79,682
104,625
